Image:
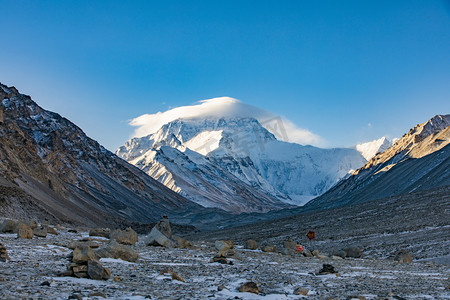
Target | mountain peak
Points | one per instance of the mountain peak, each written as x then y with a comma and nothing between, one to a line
370,149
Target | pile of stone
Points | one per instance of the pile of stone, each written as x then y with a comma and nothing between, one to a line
85,264
225,250
327,269
3,253
161,236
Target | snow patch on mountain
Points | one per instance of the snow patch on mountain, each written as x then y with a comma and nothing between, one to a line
370,149
205,141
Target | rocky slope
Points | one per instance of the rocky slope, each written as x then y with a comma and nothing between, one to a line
419,161
50,169
241,151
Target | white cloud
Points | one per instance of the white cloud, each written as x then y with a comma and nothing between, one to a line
225,107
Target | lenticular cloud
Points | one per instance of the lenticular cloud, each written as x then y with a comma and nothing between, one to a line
223,107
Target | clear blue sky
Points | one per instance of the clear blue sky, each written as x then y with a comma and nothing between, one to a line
332,67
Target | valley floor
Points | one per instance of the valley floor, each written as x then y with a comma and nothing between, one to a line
38,260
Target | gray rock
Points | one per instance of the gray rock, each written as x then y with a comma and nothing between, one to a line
301,291
96,271
182,243
157,238
353,252
9,226
339,253
40,232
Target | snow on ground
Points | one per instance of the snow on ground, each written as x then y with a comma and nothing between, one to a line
36,261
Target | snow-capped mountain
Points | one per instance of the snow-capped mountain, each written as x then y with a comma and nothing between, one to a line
370,149
242,149
419,161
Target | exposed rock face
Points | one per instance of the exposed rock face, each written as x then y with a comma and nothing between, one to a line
126,237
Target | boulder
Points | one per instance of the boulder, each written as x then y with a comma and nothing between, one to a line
24,232
81,255
301,291
315,252
353,252
95,270
103,232
118,251
251,244
224,245
269,248
52,230
339,253
403,256
40,232
9,226
157,238
174,275
249,287
126,237
3,253
308,253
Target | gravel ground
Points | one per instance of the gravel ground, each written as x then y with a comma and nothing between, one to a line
38,260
